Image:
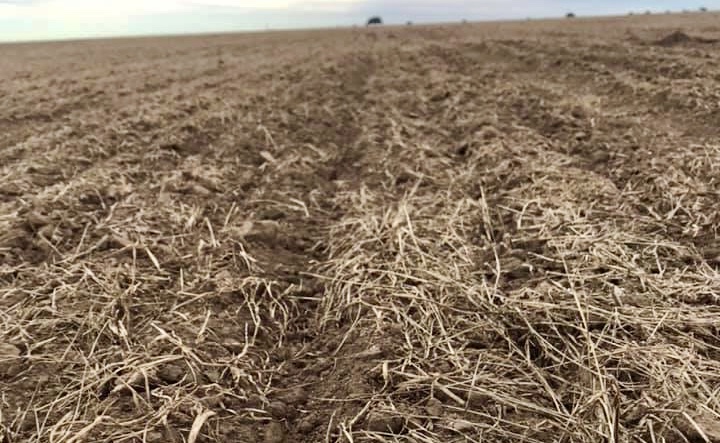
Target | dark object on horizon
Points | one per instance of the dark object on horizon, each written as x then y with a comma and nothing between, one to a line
409,23
570,15
703,9
648,12
464,21
374,21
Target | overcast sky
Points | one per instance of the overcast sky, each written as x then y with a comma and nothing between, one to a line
60,19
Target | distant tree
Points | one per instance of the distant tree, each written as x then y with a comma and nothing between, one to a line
409,23
374,21
570,15
464,21
648,12
703,9
631,13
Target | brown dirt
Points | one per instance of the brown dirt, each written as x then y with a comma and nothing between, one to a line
496,232
680,38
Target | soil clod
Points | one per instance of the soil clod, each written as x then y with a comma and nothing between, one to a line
385,422
171,373
279,409
679,38
307,424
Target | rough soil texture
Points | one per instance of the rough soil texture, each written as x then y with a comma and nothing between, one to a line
495,232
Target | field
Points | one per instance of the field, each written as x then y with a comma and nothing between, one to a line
499,232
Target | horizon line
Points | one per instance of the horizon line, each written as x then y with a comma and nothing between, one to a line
257,30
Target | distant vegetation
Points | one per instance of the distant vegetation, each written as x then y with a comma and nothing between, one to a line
570,15
374,21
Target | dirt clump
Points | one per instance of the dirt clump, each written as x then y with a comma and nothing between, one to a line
171,373
385,422
679,38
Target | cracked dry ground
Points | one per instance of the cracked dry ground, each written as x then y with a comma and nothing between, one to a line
462,233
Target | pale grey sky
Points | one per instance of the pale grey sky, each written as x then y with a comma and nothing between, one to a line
60,19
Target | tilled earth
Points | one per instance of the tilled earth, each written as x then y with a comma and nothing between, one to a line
492,232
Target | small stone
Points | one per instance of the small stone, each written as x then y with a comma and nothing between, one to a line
274,433
171,373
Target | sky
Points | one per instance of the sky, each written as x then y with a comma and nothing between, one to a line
22,20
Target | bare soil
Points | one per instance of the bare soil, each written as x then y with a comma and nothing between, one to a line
480,232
